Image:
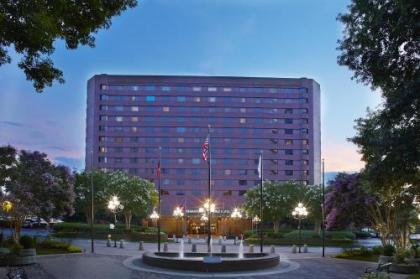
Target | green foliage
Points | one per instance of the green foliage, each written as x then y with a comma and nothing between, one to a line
389,250
361,253
362,234
57,245
33,27
27,242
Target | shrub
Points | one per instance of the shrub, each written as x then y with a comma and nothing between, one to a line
361,234
27,242
274,234
377,250
15,248
52,244
305,234
389,250
74,249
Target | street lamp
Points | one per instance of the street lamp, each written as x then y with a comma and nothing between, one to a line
236,214
178,214
114,205
154,216
255,221
300,213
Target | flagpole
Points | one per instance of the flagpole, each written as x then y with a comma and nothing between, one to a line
209,193
323,208
158,220
261,202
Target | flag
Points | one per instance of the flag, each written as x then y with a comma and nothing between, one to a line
158,169
205,148
259,166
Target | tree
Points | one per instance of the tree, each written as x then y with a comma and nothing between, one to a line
346,203
380,45
82,189
32,27
138,196
7,160
36,187
279,200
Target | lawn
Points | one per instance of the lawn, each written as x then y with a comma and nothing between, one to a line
414,276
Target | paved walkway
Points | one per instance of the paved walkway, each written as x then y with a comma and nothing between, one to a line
107,262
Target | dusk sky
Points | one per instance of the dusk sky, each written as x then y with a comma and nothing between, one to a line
274,38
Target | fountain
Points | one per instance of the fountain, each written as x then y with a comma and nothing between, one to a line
241,250
181,249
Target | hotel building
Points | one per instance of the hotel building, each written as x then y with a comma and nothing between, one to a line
130,117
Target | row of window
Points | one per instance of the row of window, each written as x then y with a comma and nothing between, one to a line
215,141
202,109
211,120
191,151
196,99
202,130
166,88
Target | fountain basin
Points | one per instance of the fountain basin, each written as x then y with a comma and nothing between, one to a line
216,262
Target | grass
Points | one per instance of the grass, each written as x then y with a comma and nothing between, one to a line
360,254
414,276
369,258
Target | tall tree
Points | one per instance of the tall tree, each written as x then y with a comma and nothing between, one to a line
138,196
279,200
381,46
32,27
36,187
346,203
7,161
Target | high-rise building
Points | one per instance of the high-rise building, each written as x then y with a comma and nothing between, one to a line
130,117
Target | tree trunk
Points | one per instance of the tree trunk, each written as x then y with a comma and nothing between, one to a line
276,225
127,217
17,228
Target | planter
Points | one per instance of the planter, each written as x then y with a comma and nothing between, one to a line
404,268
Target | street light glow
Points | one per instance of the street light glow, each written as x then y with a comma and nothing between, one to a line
300,211
154,216
236,213
178,212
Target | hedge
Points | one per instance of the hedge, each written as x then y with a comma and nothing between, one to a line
131,236
309,241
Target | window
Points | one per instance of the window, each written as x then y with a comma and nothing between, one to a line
212,89
289,162
180,140
288,121
196,89
305,142
180,160
288,151
104,87
242,192
165,109
288,172
228,172
134,119
288,141
134,149
150,88
180,171
119,118
288,131
133,160
119,139
288,111
212,99
150,98
243,110
103,117
242,120
227,89
180,129
166,181
102,149
197,99
227,193
242,182
181,98
134,108
166,88
179,193
305,151
195,161
305,162
304,131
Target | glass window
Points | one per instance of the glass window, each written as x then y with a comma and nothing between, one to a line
134,119
119,118
180,160
195,161
289,162
305,142
165,109
288,141
242,182
228,172
288,172
150,98
166,182
212,89
166,88
227,89
212,99
288,121
180,129
288,152
288,111
242,120
180,140
288,131
196,88
150,88
305,151
181,98
243,110
134,108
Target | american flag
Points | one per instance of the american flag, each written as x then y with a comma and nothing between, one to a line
158,169
205,148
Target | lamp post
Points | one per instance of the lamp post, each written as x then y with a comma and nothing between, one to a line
236,214
206,211
300,213
255,221
178,214
154,217
114,205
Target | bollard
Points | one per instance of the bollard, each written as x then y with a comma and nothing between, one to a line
165,247
108,241
141,248
251,248
305,248
220,241
223,248
235,240
272,249
189,240
194,248
294,249
122,243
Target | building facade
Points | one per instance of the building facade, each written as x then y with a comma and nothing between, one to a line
130,117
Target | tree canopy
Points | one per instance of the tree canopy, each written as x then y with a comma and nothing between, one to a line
32,27
381,46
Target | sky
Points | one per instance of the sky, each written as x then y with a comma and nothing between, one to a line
274,38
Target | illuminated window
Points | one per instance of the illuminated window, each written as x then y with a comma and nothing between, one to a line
212,89
197,99
227,89
134,119
289,141
181,99
150,98
180,160
196,89
243,109
242,120
180,140
165,109
305,142
228,172
212,99
134,108
196,161
134,129
180,129
119,118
